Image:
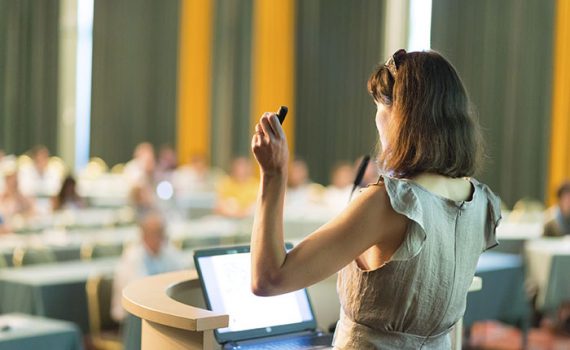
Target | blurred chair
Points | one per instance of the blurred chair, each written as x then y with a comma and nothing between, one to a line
103,330
118,168
95,168
32,256
58,165
24,160
177,242
96,161
3,262
91,251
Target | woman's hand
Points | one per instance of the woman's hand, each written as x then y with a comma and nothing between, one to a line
269,145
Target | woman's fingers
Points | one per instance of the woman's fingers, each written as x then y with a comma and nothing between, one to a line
266,127
276,126
269,128
259,130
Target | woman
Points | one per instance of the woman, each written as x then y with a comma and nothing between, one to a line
12,201
407,247
68,198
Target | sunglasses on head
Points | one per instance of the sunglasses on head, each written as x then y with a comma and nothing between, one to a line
394,62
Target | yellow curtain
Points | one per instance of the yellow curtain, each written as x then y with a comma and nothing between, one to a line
273,61
560,130
194,78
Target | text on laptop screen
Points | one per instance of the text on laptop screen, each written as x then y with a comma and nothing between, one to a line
228,285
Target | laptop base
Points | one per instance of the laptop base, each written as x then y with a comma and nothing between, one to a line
310,340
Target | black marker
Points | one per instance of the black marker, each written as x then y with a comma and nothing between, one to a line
282,113
360,174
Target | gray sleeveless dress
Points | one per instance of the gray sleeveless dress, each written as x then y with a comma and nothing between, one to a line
413,301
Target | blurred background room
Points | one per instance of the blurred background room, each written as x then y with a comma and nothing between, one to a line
125,129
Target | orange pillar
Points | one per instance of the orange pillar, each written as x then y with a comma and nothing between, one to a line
560,129
273,66
194,78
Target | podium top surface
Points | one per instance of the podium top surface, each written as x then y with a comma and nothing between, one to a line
150,299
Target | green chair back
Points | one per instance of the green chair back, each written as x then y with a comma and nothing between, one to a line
97,251
99,294
33,256
3,262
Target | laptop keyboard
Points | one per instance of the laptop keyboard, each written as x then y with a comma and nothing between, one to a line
285,344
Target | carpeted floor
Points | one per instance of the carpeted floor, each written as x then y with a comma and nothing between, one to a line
492,335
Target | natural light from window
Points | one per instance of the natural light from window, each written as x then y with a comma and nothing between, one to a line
420,25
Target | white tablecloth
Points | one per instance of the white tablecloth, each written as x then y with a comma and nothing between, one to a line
548,262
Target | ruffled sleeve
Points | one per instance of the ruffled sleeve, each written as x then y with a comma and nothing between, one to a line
404,200
494,217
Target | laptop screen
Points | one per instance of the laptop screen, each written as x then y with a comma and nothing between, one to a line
225,275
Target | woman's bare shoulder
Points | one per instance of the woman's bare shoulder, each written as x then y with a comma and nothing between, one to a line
374,203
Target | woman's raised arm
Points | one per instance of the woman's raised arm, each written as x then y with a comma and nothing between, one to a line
367,221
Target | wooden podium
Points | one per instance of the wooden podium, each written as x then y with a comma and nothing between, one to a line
167,322
170,324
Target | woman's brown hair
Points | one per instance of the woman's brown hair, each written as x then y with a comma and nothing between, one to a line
431,128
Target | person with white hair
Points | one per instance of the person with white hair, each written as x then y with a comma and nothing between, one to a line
152,255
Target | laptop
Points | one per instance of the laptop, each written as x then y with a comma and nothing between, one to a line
279,322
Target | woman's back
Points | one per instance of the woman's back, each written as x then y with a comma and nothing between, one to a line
419,294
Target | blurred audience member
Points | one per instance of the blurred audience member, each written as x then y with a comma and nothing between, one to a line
12,201
7,161
4,228
67,198
559,224
300,189
142,199
151,256
8,164
237,193
142,167
167,163
197,176
39,178
303,197
337,194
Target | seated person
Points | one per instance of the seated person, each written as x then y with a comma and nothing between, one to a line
301,191
39,178
142,199
6,160
167,163
559,224
337,194
4,228
196,176
67,197
12,201
237,193
152,255
143,165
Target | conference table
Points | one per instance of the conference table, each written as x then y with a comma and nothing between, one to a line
512,236
86,218
503,296
66,244
548,260
210,230
25,332
52,290
55,290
